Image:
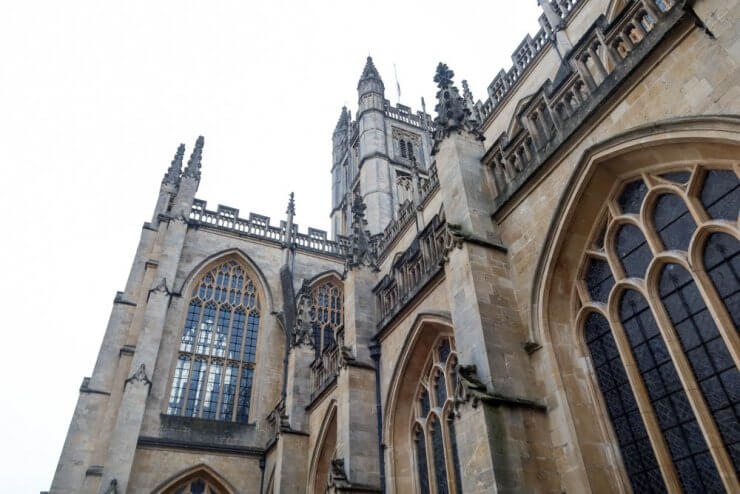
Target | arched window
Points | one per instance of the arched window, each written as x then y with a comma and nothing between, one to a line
196,480
196,486
676,335
326,313
402,145
218,346
433,432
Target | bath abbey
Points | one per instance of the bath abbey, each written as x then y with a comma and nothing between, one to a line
534,290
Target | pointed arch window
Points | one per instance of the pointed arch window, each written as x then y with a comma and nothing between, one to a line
433,433
326,313
218,346
675,333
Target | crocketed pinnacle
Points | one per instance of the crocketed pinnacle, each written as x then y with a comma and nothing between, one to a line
343,121
193,168
291,205
370,73
173,172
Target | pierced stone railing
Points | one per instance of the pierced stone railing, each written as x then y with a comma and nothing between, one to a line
258,226
523,56
408,275
403,113
603,57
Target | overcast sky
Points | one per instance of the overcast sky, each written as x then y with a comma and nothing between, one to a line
95,96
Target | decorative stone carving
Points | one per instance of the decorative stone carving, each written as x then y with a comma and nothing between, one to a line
112,487
468,387
279,419
452,112
346,355
140,376
161,287
361,251
338,475
302,331
453,238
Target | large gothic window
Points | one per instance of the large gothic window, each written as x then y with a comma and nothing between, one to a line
326,314
661,294
217,349
433,432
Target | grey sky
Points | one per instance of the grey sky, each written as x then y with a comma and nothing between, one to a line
94,99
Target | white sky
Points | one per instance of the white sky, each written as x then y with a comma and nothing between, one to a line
95,96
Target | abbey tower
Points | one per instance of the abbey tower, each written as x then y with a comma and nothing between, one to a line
536,291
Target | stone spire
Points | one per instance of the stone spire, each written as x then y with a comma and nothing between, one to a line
193,168
452,110
370,73
470,102
343,121
173,172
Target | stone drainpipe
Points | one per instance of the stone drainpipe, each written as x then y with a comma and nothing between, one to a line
375,354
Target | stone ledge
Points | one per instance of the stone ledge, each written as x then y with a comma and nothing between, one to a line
158,442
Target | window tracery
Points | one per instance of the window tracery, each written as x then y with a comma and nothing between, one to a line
326,313
217,352
433,431
652,350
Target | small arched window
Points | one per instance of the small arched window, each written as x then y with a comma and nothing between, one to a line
218,346
402,146
673,322
433,432
326,313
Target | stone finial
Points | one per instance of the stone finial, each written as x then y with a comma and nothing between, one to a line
452,111
173,172
193,168
370,73
291,205
361,253
343,121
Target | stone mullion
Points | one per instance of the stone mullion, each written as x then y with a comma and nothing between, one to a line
692,389
660,447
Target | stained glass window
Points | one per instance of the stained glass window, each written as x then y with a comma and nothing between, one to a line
217,351
326,314
421,461
440,434
637,453
711,369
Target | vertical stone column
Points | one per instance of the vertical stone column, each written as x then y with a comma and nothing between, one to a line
357,426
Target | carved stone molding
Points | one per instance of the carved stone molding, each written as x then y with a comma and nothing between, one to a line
139,376
338,475
302,333
346,356
278,419
468,387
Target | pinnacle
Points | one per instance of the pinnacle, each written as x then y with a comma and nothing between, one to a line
343,119
173,172
193,168
370,72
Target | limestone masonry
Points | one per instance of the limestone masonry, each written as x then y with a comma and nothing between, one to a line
536,292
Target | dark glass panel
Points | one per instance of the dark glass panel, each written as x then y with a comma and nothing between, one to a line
250,344
640,463
678,177
721,194
672,409
197,487
705,349
673,222
237,335
191,324
631,197
599,279
222,333
245,393
195,388
443,351
633,250
425,405
722,263
227,402
438,453
179,380
213,388
455,455
328,337
440,390
421,462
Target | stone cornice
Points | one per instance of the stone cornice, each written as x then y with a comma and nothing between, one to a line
164,443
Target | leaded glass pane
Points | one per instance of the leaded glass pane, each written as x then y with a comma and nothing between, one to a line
706,351
443,351
678,177
250,345
424,402
722,264
633,250
213,388
237,335
599,279
227,402
245,391
631,197
438,453
205,335
455,455
222,333
440,390
721,194
196,386
670,403
421,462
177,392
638,456
673,222
191,323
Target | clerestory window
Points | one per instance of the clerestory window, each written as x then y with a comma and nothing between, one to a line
218,346
661,296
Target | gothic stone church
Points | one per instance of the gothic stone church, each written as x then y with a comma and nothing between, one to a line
536,292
